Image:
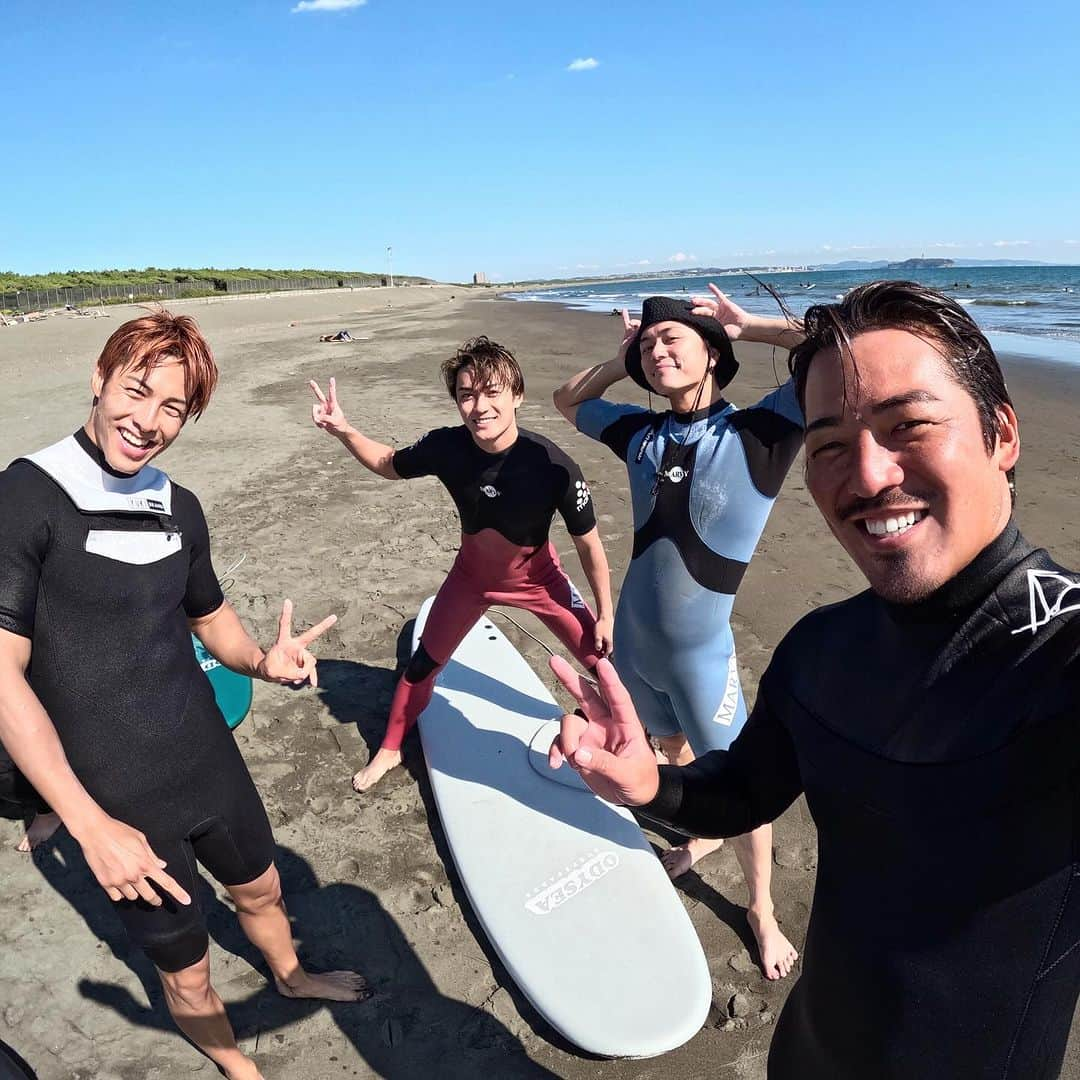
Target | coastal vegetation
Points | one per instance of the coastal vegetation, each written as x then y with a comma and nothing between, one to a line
212,278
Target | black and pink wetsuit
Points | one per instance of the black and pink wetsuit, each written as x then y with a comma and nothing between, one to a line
506,502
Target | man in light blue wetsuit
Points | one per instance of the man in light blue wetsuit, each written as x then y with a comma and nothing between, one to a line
703,479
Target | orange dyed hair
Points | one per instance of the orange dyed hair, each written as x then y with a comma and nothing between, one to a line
142,343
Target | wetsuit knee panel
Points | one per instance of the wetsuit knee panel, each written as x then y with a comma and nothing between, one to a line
179,952
421,666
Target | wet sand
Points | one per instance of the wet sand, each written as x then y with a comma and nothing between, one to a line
368,879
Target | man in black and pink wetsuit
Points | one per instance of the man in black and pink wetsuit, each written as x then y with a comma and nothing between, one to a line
507,484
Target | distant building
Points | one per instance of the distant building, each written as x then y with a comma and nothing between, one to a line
479,278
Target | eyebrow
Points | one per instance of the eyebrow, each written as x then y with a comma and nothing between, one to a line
912,397
149,389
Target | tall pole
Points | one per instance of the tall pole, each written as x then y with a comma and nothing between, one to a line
390,264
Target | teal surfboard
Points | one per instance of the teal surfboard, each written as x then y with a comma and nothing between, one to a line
233,691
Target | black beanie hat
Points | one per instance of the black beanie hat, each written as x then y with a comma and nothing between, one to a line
658,309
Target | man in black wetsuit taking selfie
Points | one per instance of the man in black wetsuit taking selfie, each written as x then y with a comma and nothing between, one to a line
929,721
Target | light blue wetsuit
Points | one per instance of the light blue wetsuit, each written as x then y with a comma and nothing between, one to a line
702,486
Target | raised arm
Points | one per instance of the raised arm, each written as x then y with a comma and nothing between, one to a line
593,382
328,415
119,856
741,325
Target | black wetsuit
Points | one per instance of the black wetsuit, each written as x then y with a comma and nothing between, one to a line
515,492
507,501
104,594
937,747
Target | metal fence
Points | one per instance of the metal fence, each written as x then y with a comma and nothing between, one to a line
89,295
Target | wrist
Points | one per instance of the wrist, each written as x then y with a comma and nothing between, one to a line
258,666
83,821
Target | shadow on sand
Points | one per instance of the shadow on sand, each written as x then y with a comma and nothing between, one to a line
407,1029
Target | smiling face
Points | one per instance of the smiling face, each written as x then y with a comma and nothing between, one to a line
138,412
488,411
899,466
675,359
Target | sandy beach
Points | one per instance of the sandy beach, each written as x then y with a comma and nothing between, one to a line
368,880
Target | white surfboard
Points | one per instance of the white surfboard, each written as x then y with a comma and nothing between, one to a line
565,885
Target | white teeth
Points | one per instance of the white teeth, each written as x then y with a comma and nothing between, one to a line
131,441
898,524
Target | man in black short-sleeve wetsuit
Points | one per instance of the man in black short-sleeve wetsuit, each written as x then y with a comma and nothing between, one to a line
930,722
105,570
507,484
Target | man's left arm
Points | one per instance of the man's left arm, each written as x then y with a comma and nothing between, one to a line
288,660
215,623
784,332
732,792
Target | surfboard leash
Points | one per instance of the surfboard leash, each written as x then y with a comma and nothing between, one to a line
543,644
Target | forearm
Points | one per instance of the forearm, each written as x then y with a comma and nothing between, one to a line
732,792
709,804
785,333
228,641
376,456
589,384
30,738
595,565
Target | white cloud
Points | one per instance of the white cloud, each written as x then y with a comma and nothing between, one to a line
1072,243
328,5
587,266
945,244
583,64
1011,243
647,262
681,257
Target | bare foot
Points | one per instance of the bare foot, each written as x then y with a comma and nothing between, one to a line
778,955
376,769
330,986
678,860
246,1069
41,828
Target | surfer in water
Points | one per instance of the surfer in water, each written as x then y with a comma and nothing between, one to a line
703,479
508,484
105,571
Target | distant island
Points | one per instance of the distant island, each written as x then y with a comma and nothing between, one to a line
920,264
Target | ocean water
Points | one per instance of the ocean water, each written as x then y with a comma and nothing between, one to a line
1031,310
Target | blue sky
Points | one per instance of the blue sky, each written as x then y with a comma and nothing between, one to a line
237,132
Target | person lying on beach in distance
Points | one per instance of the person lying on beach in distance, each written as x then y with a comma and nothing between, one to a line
930,721
703,478
508,484
105,572
341,335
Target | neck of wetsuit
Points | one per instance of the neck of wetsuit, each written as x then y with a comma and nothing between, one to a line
970,587
97,455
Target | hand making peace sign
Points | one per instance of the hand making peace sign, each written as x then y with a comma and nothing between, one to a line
722,308
630,331
288,659
326,412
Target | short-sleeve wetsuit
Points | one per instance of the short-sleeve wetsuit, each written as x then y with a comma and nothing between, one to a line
101,572
937,747
506,501
702,486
